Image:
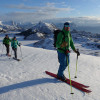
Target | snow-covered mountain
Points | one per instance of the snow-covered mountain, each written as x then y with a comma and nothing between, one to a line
14,26
39,31
9,26
79,23
2,30
87,39
46,28
26,80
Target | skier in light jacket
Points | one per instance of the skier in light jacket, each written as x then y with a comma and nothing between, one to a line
14,44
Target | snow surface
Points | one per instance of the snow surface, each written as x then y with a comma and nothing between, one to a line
26,80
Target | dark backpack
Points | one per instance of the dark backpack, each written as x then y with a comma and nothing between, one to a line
56,32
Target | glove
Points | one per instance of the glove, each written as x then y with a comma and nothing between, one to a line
67,51
64,44
19,44
78,53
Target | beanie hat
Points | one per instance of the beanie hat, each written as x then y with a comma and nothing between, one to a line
6,35
66,24
14,37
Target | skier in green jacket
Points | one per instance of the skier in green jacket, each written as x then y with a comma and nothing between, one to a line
6,42
63,44
14,44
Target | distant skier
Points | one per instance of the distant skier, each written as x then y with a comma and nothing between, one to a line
14,44
63,43
6,42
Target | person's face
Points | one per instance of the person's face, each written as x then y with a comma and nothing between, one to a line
67,28
7,36
14,38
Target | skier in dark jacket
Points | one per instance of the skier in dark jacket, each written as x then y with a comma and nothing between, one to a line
6,42
14,44
63,45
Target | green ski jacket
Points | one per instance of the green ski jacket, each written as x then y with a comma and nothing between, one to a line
61,39
6,41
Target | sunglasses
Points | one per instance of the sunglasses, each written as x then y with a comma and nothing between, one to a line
67,26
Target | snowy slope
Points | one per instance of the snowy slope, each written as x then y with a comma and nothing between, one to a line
26,80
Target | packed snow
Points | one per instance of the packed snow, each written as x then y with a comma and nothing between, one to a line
26,79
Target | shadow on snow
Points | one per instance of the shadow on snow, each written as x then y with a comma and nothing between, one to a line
26,84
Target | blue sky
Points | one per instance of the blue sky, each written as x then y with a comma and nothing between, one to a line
45,9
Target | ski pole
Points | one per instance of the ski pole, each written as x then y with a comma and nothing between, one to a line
69,77
2,49
76,67
76,63
11,52
21,52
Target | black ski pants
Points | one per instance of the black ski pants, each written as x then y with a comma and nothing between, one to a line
15,52
7,48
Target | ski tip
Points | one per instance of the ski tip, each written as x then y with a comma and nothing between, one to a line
89,91
46,72
86,86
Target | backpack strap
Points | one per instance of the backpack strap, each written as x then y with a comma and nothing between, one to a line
63,35
66,51
64,40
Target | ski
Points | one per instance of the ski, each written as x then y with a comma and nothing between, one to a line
75,84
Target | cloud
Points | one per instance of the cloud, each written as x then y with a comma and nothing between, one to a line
49,6
49,11
21,6
88,21
26,17
92,18
34,13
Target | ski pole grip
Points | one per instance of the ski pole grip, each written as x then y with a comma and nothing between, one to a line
78,53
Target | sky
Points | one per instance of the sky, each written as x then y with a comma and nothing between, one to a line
29,10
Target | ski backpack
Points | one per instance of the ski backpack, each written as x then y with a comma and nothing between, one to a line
56,32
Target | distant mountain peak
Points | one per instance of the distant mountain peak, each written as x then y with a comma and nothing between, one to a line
44,27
